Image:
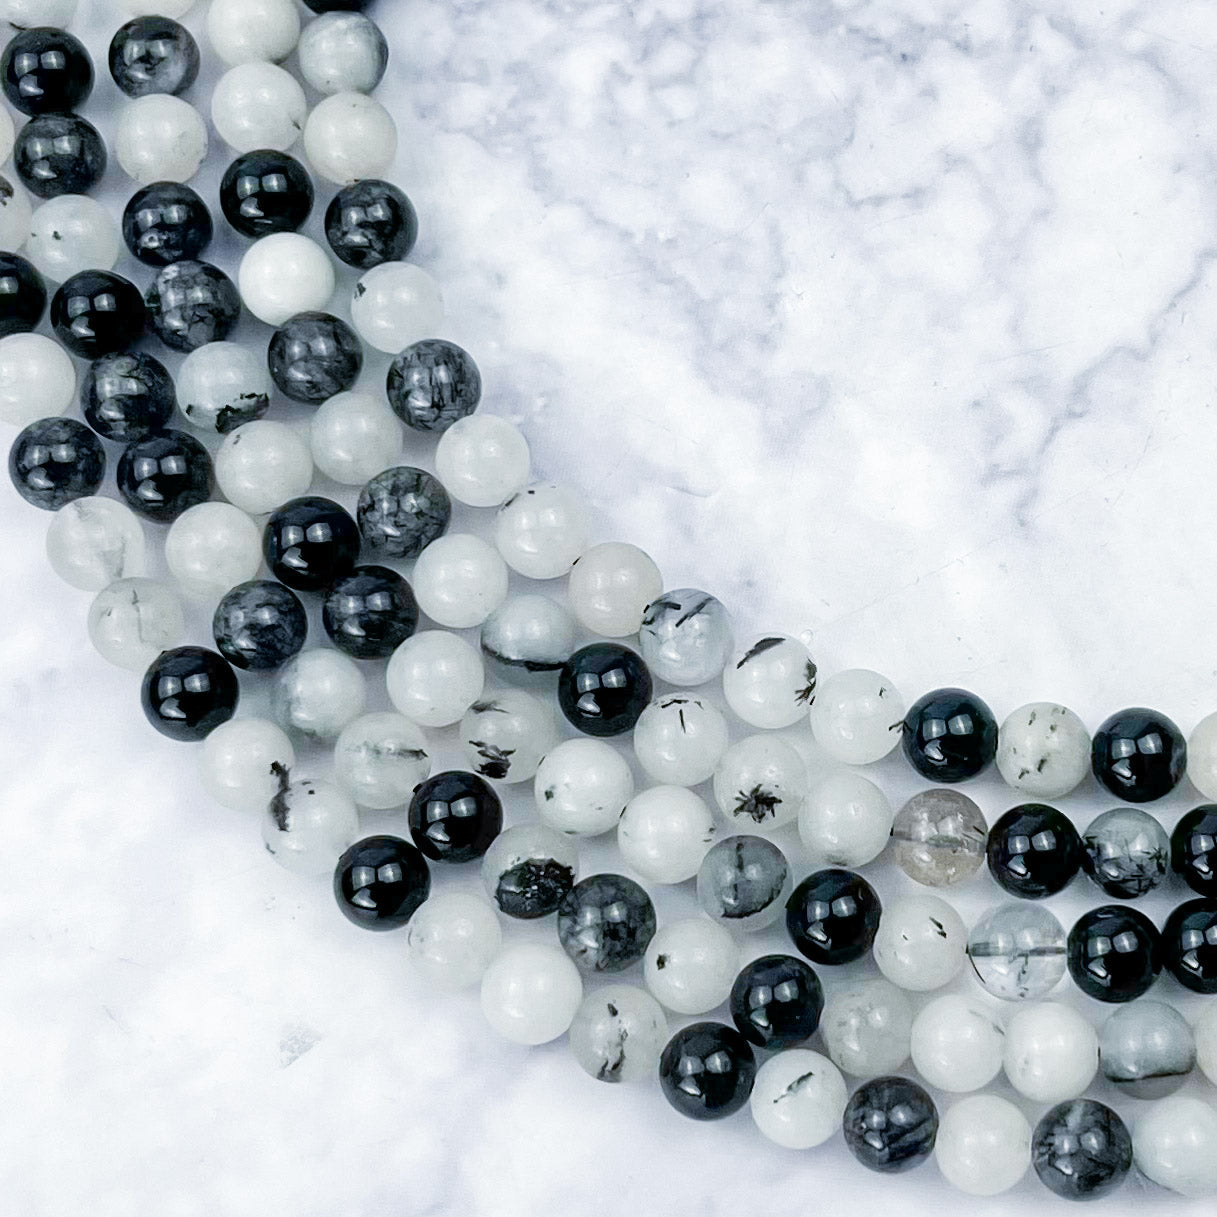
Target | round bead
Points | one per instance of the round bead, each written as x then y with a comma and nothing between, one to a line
396,304
452,940
59,154
857,716
1033,851
1193,847
94,541
285,274
313,357
371,222
761,783
16,212
46,71
776,1002
618,1034
58,13
582,787
459,579
531,993
380,758
1043,750
664,832
258,105
131,621
455,816
55,461
1081,1150
261,465
353,437
504,736
243,761
166,222
605,923
679,740
188,692
97,312
685,636
1202,756
1146,1049
771,682
350,136
1114,953
308,824
957,1043
68,235
845,821
153,54
483,460
527,639
744,882
1189,945
707,1071
1017,951
212,546
541,531
22,292
165,473
1175,1145
434,677
317,693
1126,852
949,735
610,587
264,192
127,396
867,1027
380,883
529,869
921,942
160,139
33,359
370,612
1205,1031
253,31
798,1099
343,53
603,689
433,384
259,625
401,511
1139,755
890,1124
938,837
832,916
691,965
983,1146
190,304
222,386
1051,1053
309,542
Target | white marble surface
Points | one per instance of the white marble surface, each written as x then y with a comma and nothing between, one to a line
888,321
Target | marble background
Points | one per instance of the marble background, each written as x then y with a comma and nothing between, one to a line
891,322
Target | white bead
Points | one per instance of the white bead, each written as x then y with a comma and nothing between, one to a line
921,942
8,135
983,1145
212,547
318,692
957,1043
679,740
686,637
611,586
452,939
353,437
380,758
253,31
396,304
700,961
505,735
482,460
70,234
518,854
1043,750
770,682
285,274
542,530
1175,1144
867,1026
1202,756
258,105
94,541
459,580
132,621
16,213
350,136
1205,1032
26,14
582,787
243,761
222,385
137,8
846,821
27,360
531,993
307,826
760,784
160,138
434,677
263,464
619,1034
1052,1052
857,715
342,53
528,638
798,1098
664,833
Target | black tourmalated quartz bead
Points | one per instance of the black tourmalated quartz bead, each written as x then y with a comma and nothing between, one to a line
310,542
776,1001
154,55
313,357
265,192
188,692
1034,851
380,882
371,222
46,71
454,816
56,460
401,511
370,612
605,923
22,295
191,304
1139,755
533,886
603,688
164,474
707,1070
259,625
97,312
166,222
832,916
1189,945
890,1124
949,735
1081,1150
1194,849
59,154
432,384
1114,953
127,396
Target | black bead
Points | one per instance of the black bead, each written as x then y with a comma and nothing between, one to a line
264,192
707,1071
433,384
1114,953
534,887
164,474
1189,945
1139,755
166,222
606,922
1194,849
371,222
370,612
46,71
154,55
188,692
776,1001
191,304
603,688
59,154
22,295
1081,1150
401,511
337,6
1034,851
949,735
259,625
832,916
309,542
380,882
890,1124
454,816
127,396
97,312
313,356
54,461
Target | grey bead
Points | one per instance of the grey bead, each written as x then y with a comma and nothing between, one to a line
259,625
433,384
314,356
1081,1149
191,304
744,881
401,511
1127,852
605,923
1146,1049
1017,950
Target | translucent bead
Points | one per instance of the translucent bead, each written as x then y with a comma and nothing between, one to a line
318,693
343,53
707,1071
776,1001
1202,756
353,436
70,234
846,821
94,541
190,304
401,511
452,939
395,304
243,763
686,637
212,547
983,1146
160,138
1138,754
1126,852
187,692
380,882
531,993
253,31
259,625
222,386
582,787
761,783
528,639
690,965
33,359
308,824
542,530
605,922
798,1099
258,105
771,682
618,1034
371,222
679,740
890,1124
1017,951
482,460
433,383
529,869
505,735
54,461
957,1043
131,621
664,833
154,54
314,356
1146,1049
744,882
610,588
856,716
57,13
285,274
59,154
921,942
380,758
263,464
459,580
1175,1145
16,213
1081,1150
1043,750
1051,1053
832,916
434,677
939,837
1205,1031
127,396
867,1027
349,137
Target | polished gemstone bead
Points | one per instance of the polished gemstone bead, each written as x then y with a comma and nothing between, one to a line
798,1099
1194,849
434,677
1043,750
1114,953
527,638
131,621
343,53
259,625
459,579
452,939
314,356
761,783
686,637
190,304
16,213
28,359
318,693
308,824
309,542
188,692
253,31
618,1034
1126,852
432,384
529,869
97,312
1189,945
482,460
1139,755
93,541
369,612
222,386
531,993
1081,1149
380,882
505,735
26,14
210,547
1034,851
846,820
664,833
866,1026
770,682
371,222
263,464
243,761
46,71
603,689
455,816
283,274
380,758
265,191
679,739
1146,1049
401,511
832,916
582,787
605,923
160,139
1202,756
59,154
154,55
690,965
166,222
707,1071
1175,1145
776,1001
610,586
938,837
70,234
22,295
164,474
957,1042
127,396
921,942
890,1124
1017,951
1052,1052
258,105
395,304
949,735
744,882
857,716
54,461
541,531
349,137
983,1146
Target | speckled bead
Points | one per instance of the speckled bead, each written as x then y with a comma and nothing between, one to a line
921,942
243,761
605,923
380,758
1081,1150
97,312
59,154
603,689
54,461
131,621
761,783
846,820
798,1099
369,612
1146,1049
1189,945
1126,852
127,396
401,511
166,222
744,882
890,1124
380,882
939,837
957,1043
506,734
832,916
188,692
191,304
529,869
1114,953
1194,849
949,735
1043,750
1033,851
857,716
776,1001
95,540
707,1071
455,816
618,1034
309,542
259,625
371,222
165,474
1017,951
308,824
686,637
153,55
866,1026
680,740
1139,755
770,682
432,384
222,386
314,356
